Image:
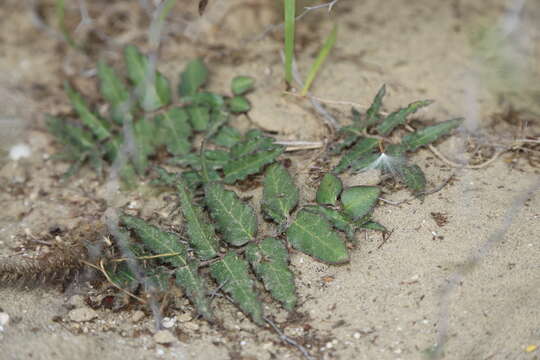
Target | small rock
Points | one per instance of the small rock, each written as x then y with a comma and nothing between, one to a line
164,337
82,314
77,301
191,326
4,320
185,317
137,316
168,322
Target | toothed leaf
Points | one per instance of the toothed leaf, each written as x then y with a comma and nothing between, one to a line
358,201
200,231
414,178
152,87
429,134
231,273
329,190
235,219
215,159
335,217
373,225
242,84
312,234
280,195
241,168
195,288
173,131
365,162
113,90
362,147
270,261
227,136
199,116
399,117
193,77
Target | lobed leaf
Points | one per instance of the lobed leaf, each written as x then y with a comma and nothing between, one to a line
193,77
231,273
195,288
270,261
329,189
430,134
200,231
280,195
239,169
358,201
311,234
362,147
236,220
399,117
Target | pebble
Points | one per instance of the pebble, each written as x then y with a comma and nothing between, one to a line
168,322
185,317
82,314
4,320
164,337
137,316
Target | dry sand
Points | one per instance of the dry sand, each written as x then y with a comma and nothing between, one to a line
394,297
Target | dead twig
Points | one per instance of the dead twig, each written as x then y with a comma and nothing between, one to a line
288,340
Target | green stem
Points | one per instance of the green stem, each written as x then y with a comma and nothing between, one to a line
289,38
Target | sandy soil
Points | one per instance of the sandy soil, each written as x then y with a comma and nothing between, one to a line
398,295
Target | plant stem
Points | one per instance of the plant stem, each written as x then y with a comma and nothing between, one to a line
321,57
289,39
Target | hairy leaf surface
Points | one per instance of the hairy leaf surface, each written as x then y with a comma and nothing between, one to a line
329,189
400,116
239,169
372,114
174,131
430,134
98,127
231,273
414,178
270,261
113,90
235,219
280,194
193,77
311,234
358,201
359,149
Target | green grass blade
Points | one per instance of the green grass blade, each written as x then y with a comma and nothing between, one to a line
289,8
231,273
270,260
319,61
235,219
280,194
311,234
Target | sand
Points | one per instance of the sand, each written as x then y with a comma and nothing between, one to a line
461,268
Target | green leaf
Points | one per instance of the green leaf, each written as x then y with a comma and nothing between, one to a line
209,99
231,273
152,87
114,91
123,277
414,178
429,134
215,159
143,131
74,137
372,114
358,201
239,169
227,136
242,84
362,147
193,77
98,127
329,190
372,225
199,116
236,220
200,231
399,117
162,242
336,218
364,163
270,261
239,104
312,234
173,131
280,195
253,141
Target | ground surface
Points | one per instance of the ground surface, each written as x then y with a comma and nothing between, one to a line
391,299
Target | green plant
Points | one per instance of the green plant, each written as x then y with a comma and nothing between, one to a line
143,110
367,143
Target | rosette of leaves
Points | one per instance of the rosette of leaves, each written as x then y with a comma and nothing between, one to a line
222,233
141,110
366,144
